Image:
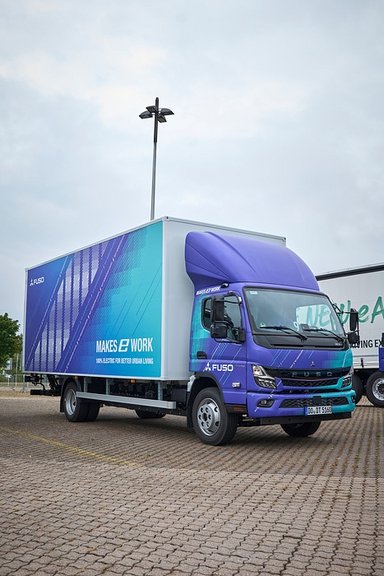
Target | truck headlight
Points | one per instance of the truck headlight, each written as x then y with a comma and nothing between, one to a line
262,378
347,380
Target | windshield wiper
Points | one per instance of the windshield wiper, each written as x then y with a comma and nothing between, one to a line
325,331
286,329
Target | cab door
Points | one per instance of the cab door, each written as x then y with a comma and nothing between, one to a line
218,344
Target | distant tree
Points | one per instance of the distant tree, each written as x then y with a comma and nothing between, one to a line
10,340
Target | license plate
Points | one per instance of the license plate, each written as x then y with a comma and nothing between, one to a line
314,410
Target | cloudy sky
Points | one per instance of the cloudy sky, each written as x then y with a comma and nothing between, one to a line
278,125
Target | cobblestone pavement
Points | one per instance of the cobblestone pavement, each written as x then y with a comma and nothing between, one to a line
129,496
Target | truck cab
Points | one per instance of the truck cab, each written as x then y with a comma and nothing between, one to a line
267,346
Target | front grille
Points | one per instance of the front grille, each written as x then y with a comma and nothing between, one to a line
311,374
305,402
302,383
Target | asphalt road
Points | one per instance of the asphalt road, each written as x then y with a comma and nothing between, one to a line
141,497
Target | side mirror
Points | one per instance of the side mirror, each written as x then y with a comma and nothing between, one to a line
353,320
353,338
219,330
241,336
218,310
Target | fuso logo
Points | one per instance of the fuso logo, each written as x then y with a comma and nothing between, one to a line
36,281
218,367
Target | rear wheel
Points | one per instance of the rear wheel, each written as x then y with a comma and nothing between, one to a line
93,411
374,388
301,430
211,421
75,409
144,414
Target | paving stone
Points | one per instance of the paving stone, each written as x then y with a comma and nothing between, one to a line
124,496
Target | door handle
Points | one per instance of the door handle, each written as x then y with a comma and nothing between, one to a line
201,355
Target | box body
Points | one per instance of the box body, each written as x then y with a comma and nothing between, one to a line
120,308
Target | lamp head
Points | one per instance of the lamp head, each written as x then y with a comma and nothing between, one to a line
145,114
165,111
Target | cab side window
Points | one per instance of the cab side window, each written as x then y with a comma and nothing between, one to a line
206,313
232,312
232,315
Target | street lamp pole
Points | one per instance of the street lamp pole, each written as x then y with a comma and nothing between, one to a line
159,115
156,123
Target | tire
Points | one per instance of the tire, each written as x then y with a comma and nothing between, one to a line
358,387
146,414
212,423
374,388
301,430
75,409
93,411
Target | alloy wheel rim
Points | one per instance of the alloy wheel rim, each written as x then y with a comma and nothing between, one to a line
208,416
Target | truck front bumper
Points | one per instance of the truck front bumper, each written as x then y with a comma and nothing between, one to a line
339,404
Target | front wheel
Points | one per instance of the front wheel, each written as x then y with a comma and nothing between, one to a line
358,387
301,430
374,388
211,421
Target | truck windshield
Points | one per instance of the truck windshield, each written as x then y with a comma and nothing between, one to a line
298,315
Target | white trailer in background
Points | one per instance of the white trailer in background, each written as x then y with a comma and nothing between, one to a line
362,289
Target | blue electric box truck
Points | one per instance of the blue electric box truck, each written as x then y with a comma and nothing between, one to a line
223,326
